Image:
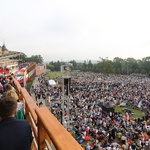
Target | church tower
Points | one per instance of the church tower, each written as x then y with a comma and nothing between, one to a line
0,50
4,50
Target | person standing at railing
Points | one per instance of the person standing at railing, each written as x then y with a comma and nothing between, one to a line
14,134
20,105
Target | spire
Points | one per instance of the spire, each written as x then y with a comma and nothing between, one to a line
4,47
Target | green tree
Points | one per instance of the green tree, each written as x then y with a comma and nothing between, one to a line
132,65
74,63
90,66
117,63
50,66
105,66
37,58
146,65
22,58
84,67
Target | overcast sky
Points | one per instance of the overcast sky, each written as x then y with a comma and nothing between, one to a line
76,29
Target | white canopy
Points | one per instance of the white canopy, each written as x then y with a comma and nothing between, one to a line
52,82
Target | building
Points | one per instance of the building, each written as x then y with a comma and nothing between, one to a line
8,59
3,50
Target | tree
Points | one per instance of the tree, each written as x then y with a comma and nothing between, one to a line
22,58
74,63
146,65
117,63
36,58
132,65
84,67
50,66
105,66
90,65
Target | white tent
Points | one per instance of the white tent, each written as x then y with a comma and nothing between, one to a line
52,82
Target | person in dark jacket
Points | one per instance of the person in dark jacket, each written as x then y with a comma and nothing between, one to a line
14,134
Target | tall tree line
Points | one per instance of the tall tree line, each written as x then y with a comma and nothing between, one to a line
106,66
33,58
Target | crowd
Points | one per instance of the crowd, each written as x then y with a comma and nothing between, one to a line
93,127
15,131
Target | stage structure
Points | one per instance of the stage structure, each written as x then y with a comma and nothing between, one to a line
108,107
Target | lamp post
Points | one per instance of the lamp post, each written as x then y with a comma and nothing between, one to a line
65,82
62,102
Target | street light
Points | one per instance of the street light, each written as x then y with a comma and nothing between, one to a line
65,82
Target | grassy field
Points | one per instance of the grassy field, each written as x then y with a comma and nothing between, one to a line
137,113
53,75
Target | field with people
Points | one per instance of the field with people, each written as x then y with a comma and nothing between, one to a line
85,116
136,113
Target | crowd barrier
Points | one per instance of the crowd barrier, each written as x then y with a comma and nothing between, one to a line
48,132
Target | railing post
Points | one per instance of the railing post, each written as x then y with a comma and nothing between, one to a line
50,129
42,135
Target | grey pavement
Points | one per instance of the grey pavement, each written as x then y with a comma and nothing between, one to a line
35,83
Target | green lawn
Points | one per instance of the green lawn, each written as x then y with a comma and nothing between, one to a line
53,75
137,113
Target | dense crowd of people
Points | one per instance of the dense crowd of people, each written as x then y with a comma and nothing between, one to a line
85,95
15,131
91,126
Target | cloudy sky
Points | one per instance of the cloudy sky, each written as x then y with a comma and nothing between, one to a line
76,29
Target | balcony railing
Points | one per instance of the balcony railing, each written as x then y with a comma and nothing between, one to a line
48,132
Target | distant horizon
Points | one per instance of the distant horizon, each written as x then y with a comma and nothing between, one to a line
91,60
77,60
71,60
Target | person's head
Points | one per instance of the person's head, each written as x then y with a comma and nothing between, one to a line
12,94
8,87
8,107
